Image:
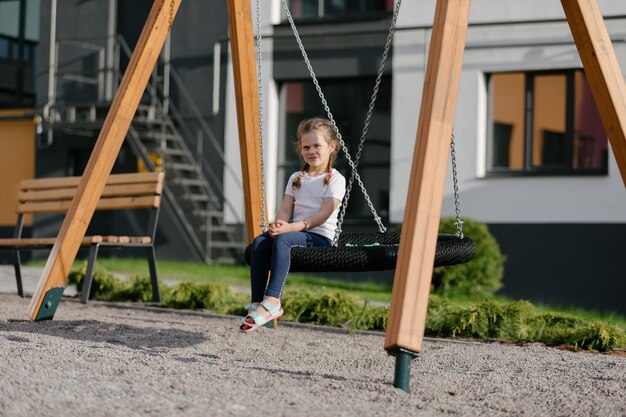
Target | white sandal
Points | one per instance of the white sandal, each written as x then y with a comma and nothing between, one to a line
250,307
275,311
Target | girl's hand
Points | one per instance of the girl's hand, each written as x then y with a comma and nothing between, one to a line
278,227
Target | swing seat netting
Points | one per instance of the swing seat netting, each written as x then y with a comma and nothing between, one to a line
372,252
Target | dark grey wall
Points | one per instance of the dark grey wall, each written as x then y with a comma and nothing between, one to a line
564,264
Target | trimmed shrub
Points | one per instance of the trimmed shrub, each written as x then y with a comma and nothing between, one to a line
479,278
518,321
487,320
562,329
104,286
235,304
196,296
137,288
334,309
370,318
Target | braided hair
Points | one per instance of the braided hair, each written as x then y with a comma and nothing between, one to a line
326,129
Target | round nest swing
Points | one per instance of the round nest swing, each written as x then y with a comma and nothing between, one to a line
360,252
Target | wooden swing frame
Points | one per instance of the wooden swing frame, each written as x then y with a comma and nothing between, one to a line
407,315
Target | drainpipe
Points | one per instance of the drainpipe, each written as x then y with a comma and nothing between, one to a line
20,51
48,113
217,67
166,72
110,51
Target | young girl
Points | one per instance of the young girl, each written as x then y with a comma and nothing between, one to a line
312,197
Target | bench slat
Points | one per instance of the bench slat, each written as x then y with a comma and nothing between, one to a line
64,182
88,240
109,191
116,239
140,239
103,204
43,241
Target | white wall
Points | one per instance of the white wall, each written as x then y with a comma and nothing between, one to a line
509,199
420,13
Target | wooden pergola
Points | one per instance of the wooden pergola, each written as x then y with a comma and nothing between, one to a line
407,315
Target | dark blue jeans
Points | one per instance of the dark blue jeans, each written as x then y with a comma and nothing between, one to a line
273,254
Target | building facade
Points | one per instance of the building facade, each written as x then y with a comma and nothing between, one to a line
533,160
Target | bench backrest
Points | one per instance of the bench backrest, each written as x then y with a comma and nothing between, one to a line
122,191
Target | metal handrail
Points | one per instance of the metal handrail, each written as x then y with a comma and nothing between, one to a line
99,50
182,225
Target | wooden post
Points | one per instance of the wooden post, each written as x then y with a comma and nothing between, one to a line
416,258
247,98
105,152
603,71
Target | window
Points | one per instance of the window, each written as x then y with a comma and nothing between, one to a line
19,34
312,9
348,100
544,123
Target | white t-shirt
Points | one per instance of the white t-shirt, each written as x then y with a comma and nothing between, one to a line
309,197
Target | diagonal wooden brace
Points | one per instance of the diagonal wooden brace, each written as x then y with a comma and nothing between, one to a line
416,256
105,152
603,71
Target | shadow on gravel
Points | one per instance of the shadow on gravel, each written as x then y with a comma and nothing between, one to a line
307,375
96,331
297,374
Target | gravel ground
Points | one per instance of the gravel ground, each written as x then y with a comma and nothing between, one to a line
100,360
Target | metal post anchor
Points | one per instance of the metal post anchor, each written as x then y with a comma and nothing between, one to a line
402,374
49,304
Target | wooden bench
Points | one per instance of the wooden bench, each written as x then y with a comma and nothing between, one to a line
122,192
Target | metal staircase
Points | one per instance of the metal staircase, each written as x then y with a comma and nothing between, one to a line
161,138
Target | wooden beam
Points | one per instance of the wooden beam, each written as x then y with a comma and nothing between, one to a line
106,149
411,286
603,71
247,99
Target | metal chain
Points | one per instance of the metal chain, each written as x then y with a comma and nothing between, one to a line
171,18
368,117
352,164
457,203
259,73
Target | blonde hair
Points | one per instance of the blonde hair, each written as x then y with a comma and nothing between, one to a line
327,130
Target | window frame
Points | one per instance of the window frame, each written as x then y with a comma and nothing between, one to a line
21,52
528,168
